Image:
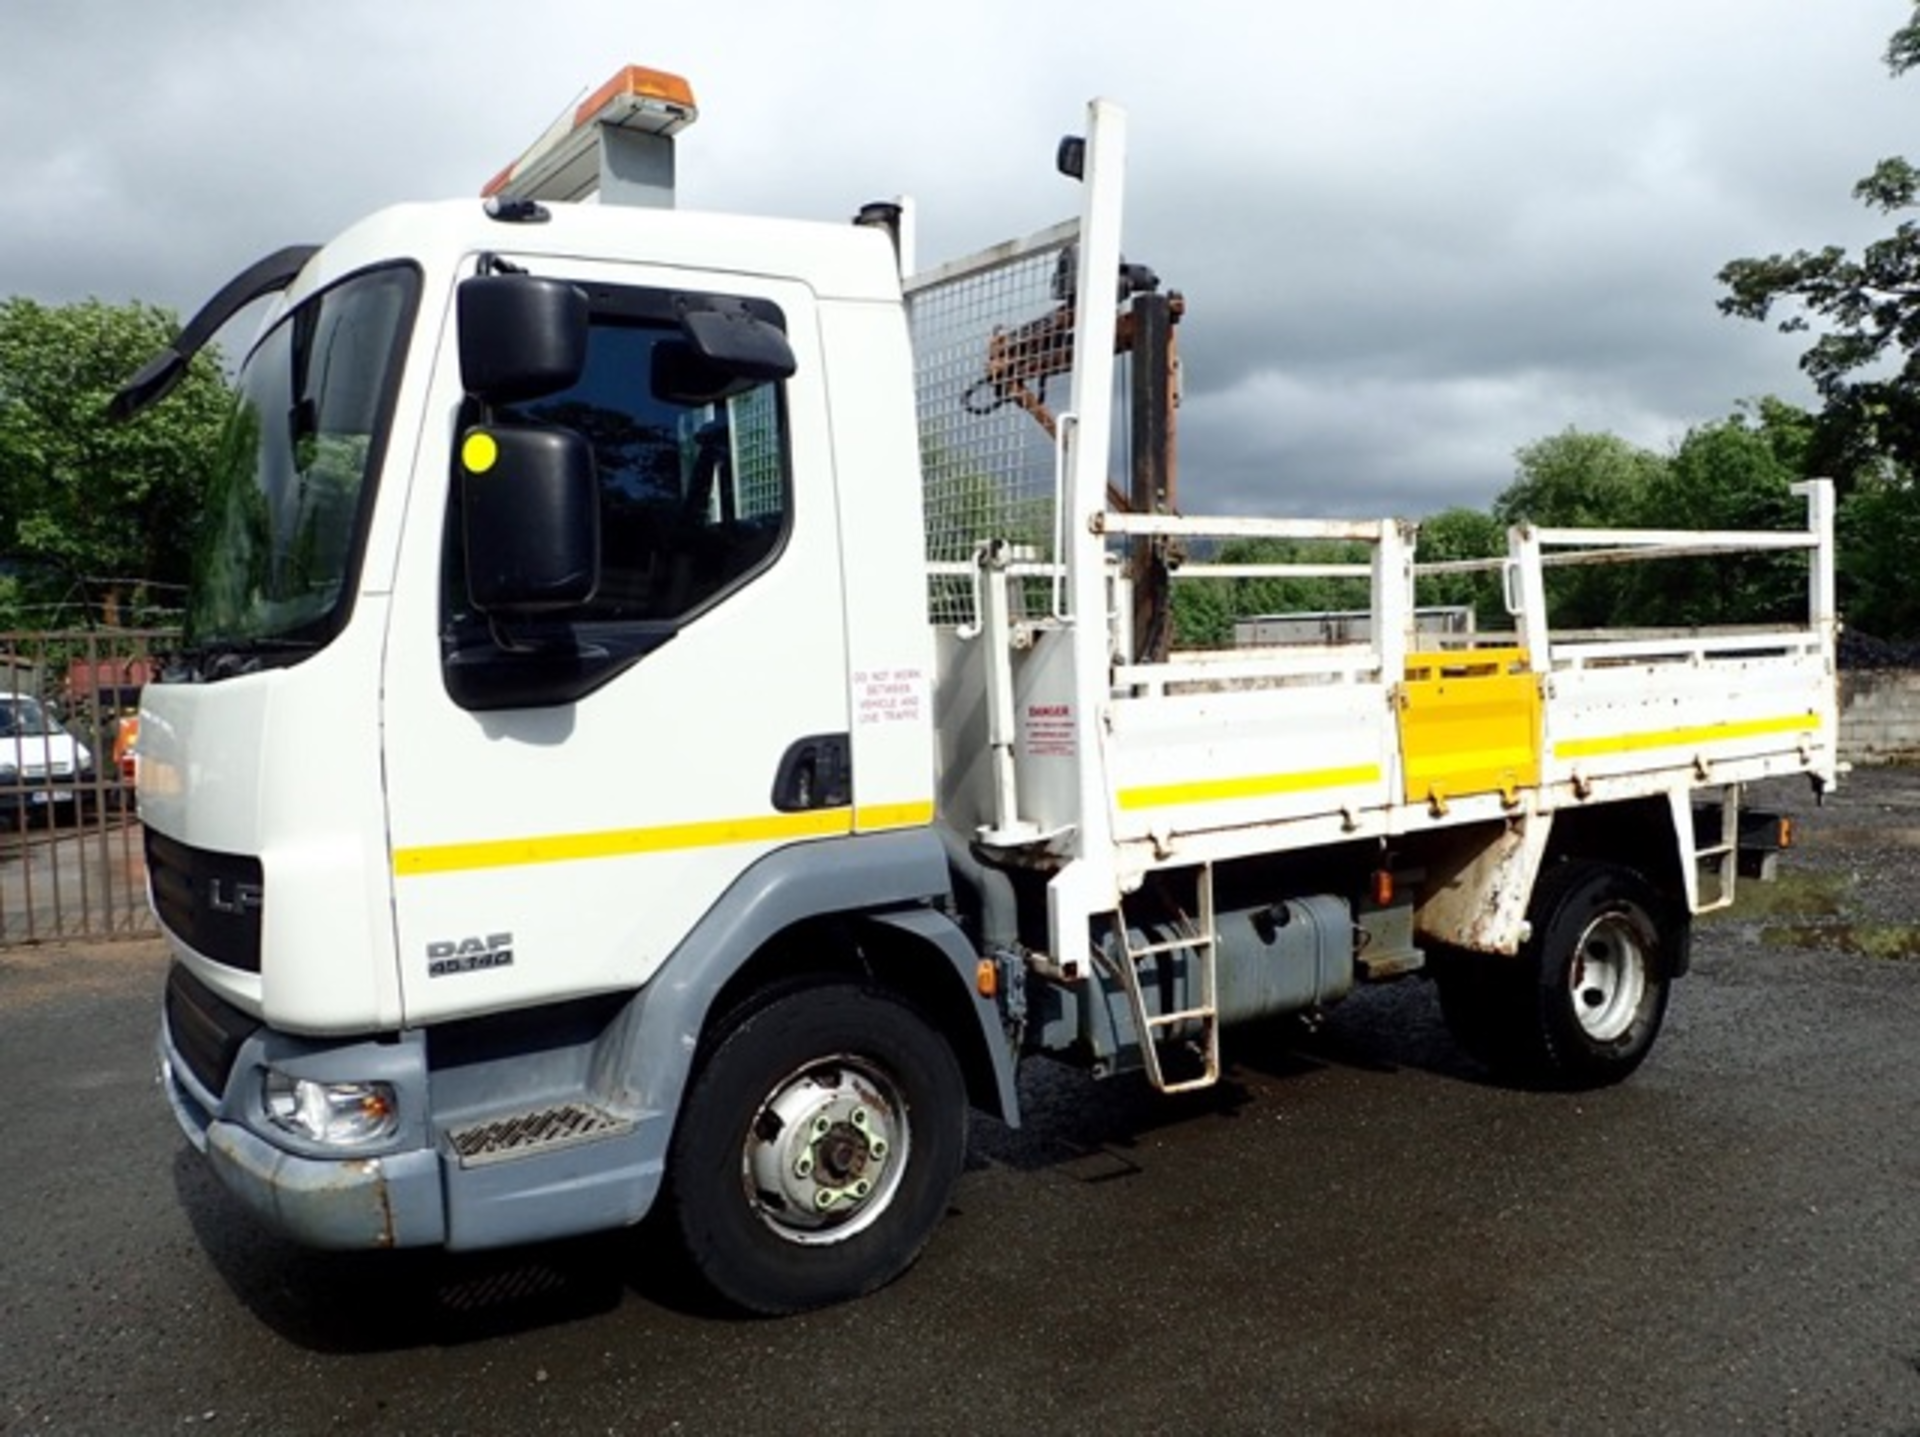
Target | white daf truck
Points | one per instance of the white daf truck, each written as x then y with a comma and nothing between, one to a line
672,713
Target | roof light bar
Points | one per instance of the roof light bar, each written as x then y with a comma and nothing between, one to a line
616,144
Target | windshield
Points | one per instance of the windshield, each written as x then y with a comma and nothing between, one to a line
287,498
23,717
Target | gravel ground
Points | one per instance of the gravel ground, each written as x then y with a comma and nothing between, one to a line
1356,1234
1852,881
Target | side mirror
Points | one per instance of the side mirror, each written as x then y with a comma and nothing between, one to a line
521,336
531,512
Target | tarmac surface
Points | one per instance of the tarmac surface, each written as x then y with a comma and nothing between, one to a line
1357,1233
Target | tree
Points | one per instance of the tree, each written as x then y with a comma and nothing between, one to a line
1204,610
1879,529
91,511
1866,361
1461,533
1576,480
1734,474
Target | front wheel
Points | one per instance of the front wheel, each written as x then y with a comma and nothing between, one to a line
817,1150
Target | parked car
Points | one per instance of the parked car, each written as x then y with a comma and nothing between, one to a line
43,768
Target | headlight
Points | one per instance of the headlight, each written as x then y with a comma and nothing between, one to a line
342,1114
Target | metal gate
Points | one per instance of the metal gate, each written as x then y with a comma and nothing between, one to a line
72,861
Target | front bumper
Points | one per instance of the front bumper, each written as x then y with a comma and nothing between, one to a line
390,1201
389,1196
414,1189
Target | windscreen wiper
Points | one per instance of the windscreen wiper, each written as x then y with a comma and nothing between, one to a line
159,375
227,657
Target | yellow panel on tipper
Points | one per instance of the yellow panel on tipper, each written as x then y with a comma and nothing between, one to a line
1469,723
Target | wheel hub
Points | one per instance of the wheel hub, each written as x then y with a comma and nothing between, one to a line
1608,977
825,1153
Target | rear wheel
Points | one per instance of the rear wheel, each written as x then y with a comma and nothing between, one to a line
1582,1003
1480,997
817,1150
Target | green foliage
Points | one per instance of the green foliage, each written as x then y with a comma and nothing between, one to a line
1204,610
1733,474
1903,50
1461,533
83,501
1865,359
1576,480
1863,311
1879,536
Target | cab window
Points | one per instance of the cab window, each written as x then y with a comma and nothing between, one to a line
695,501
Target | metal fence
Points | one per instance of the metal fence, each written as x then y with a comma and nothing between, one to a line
72,861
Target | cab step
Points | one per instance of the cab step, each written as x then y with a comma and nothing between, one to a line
540,1130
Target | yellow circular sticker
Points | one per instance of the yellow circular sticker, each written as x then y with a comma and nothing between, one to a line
478,451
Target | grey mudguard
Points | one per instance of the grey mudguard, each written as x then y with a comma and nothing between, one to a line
939,931
644,1059
853,876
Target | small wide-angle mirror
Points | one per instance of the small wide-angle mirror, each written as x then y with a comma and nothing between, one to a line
728,334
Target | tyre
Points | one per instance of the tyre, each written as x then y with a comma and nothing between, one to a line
1582,1003
1480,998
817,1149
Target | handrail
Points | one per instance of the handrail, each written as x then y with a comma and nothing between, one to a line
1188,526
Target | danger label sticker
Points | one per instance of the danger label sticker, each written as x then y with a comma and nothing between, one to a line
1046,730
883,696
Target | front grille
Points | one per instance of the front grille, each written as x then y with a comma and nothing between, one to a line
207,1031
210,901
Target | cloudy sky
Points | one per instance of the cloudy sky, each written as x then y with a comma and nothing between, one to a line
1413,236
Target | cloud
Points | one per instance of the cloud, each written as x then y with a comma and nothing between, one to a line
1412,236
1283,442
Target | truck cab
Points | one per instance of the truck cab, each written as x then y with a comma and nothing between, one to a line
578,639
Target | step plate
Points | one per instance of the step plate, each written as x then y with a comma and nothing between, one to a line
542,1131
